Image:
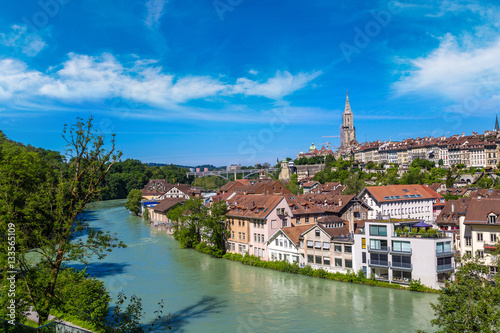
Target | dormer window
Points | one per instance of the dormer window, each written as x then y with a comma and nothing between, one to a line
492,218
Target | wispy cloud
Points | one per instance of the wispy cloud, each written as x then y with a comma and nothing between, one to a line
154,13
463,68
23,41
84,78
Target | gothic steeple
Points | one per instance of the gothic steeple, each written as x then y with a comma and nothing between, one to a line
347,104
347,129
497,128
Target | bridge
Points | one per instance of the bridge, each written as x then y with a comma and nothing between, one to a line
225,174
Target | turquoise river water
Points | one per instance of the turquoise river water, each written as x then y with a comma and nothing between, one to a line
204,294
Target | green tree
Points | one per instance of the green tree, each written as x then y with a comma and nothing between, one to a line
293,184
133,203
190,219
441,162
469,304
216,227
48,214
353,184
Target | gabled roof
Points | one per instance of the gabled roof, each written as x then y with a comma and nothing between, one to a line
479,209
167,204
252,206
292,233
452,211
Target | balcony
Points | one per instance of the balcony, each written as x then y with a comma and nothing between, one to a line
445,254
444,268
490,246
379,263
394,251
381,249
402,265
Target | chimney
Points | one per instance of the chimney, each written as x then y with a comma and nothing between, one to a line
453,207
340,202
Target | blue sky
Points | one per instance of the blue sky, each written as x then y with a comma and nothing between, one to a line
238,81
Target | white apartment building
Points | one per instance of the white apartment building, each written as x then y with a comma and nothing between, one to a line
400,201
396,257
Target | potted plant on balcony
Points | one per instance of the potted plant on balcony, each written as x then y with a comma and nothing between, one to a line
406,231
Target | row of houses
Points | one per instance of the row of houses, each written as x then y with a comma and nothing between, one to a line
394,233
340,233
481,151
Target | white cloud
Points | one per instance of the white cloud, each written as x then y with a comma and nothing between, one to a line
97,78
28,43
465,67
154,13
282,84
455,72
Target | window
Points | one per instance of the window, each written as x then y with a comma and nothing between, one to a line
255,238
443,247
318,260
377,244
310,258
277,242
297,220
363,257
243,236
239,235
479,236
285,223
493,238
316,233
401,261
468,241
317,245
492,219
348,263
338,262
243,223
400,246
444,262
347,248
326,246
285,244
363,243
338,248
306,219
310,244
232,234
480,253
239,223
378,230
326,261
379,259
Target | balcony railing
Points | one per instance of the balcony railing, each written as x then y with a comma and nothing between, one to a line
444,268
445,253
419,235
400,251
383,249
380,263
402,265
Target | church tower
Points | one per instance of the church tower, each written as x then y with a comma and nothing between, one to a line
347,129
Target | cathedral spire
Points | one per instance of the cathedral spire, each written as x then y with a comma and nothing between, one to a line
347,104
496,124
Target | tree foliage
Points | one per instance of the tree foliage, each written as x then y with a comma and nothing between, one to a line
46,205
133,203
196,224
469,304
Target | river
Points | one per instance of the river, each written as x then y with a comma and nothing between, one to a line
204,294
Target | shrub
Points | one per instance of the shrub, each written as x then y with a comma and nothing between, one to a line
416,285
